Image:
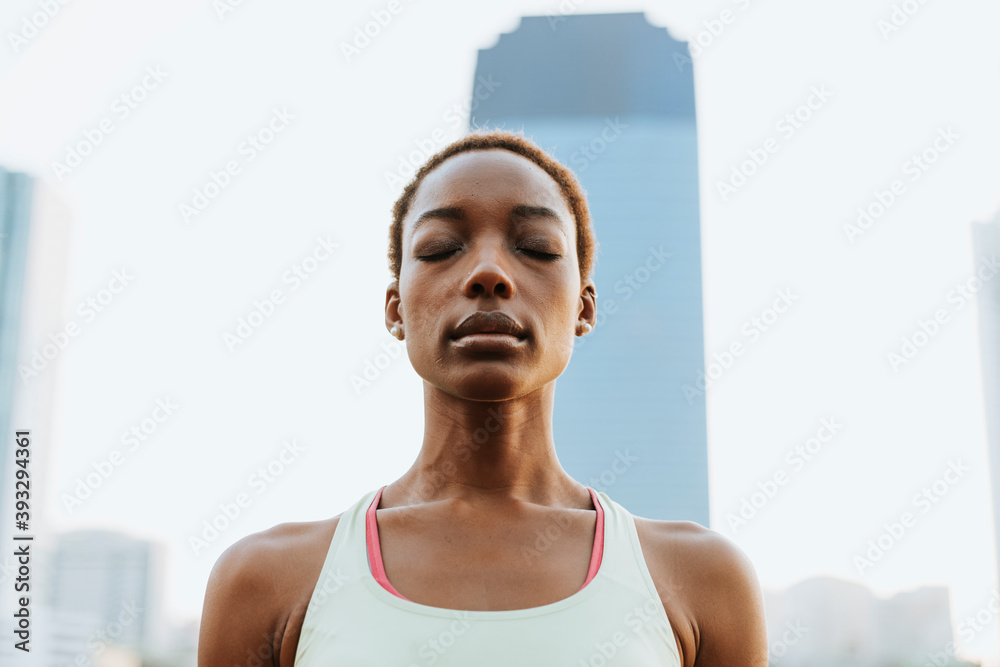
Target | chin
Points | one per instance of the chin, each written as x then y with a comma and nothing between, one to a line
478,382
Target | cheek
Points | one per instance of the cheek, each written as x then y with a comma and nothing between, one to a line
421,304
557,312
417,314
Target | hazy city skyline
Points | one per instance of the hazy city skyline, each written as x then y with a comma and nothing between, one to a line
797,132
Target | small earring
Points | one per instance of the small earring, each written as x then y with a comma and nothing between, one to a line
587,328
394,331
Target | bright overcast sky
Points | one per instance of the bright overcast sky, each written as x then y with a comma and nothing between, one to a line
208,81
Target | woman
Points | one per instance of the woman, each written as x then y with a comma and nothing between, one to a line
486,552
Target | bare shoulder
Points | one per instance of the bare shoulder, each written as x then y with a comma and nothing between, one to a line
710,591
699,554
276,556
258,591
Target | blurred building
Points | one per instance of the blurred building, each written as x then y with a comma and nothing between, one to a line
96,596
612,97
827,622
114,579
986,246
62,638
34,245
15,217
179,649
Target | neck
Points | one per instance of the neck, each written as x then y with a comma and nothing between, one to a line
488,453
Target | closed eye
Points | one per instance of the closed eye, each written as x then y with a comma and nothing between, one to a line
548,256
438,256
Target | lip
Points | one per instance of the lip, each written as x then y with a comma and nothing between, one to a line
491,326
488,342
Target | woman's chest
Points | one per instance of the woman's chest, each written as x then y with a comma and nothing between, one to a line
492,564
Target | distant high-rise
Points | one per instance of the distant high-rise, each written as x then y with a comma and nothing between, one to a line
16,192
34,243
612,97
827,622
986,250
34,246
114,580
15,215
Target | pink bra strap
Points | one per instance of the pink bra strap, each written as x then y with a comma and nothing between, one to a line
374,552
598,553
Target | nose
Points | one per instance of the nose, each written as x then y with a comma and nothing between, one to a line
488,278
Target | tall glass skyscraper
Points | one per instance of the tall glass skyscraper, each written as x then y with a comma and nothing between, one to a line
15,214
612,97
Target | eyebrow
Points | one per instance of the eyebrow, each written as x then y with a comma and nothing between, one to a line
458,213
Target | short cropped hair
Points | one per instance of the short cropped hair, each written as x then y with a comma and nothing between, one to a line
586,243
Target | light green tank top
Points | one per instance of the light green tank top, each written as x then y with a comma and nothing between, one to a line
616,619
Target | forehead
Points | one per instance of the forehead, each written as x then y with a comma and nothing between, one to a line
487,178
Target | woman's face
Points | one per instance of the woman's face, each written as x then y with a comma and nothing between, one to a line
488,231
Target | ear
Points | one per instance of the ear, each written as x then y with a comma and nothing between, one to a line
393,306
588,304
